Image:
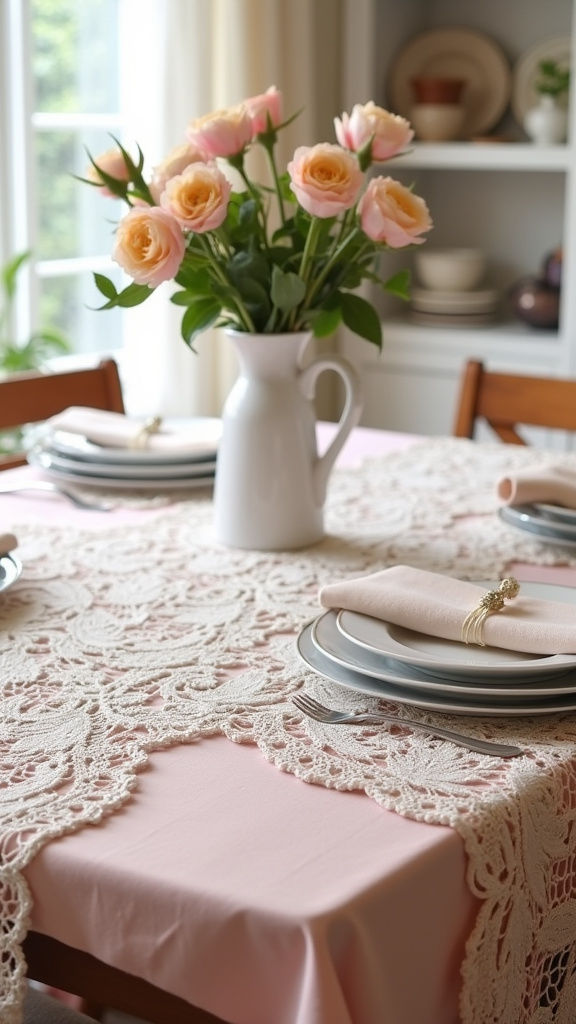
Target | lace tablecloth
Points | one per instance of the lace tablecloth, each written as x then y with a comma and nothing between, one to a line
119,641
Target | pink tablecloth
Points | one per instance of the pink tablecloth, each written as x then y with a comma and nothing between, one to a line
255,896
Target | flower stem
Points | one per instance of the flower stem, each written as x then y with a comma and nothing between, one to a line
274,169
330,263
220,276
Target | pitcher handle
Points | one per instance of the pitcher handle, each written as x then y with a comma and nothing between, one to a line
350,414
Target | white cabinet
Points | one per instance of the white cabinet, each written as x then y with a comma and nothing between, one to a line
514,199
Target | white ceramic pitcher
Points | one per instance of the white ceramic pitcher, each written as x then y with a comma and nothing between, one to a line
270,481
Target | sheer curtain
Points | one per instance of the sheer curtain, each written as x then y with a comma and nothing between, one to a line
195,56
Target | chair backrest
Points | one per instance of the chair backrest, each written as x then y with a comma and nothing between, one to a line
506,400
33,397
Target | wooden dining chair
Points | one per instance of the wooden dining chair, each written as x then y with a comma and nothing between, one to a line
33,397
506,401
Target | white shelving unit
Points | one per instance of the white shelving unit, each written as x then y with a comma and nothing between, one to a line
514,199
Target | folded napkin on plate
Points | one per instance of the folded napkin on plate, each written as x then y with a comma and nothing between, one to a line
7,543
438,605
115,430
553,484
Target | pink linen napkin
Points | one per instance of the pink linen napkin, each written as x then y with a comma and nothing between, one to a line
437,606
115,430
553,484
7,543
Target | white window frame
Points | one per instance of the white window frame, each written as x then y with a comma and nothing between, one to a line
19,124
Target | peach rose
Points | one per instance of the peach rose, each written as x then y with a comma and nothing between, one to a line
391,213
198,198
112,163
177,160
258,107
390,133
221,133
325,179
149,245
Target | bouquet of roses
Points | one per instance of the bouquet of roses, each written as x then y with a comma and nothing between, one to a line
284,256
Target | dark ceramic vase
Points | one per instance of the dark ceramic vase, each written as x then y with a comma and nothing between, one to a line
536,302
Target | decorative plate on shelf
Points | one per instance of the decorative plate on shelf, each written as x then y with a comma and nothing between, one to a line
525,72
455,53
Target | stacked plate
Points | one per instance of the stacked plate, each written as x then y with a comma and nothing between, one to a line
10,570
431,306
552,524
72,458
377,658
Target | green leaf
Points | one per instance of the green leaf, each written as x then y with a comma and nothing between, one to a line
361,317
288,290
105,286
256,300
194,279
52,340
252,265
133,295
326,322
10,272
198,317
242,222
399,285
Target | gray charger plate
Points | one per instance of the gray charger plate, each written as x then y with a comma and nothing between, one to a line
530,520
330,641
10,570
394,688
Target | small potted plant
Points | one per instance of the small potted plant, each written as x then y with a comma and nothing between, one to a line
546,123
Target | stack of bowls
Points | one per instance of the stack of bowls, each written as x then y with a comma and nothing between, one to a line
438,114
451,289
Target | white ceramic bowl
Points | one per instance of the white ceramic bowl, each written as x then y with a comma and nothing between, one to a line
437,122
453,270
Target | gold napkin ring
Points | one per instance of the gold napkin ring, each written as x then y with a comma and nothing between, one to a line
142,435
493,601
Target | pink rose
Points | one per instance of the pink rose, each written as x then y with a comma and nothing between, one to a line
112,163
325,179
391,133
198,198
149,245
391,213
258,107
221,133
177,160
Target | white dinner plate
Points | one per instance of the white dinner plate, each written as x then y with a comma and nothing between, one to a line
395,689
142,483
525,72
455,53
10,570
332,642
431,300
451,319
206,429
122,471
529,520
435,655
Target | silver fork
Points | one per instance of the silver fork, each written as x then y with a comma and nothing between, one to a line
319,713
46,485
